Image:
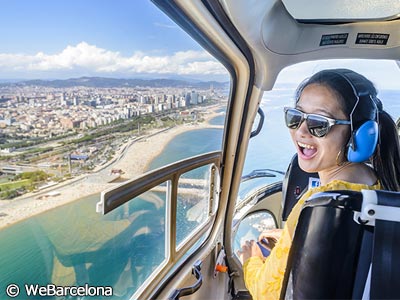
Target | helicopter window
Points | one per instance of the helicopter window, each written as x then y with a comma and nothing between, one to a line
82,112
251,227
145,238
193,204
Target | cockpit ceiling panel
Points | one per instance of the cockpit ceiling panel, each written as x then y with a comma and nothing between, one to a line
342,10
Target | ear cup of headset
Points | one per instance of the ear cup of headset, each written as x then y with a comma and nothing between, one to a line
365,139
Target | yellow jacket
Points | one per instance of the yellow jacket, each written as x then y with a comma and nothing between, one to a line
264,279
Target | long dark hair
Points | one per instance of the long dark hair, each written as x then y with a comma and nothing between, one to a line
386,159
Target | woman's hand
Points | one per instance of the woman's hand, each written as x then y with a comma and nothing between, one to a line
269,238
249,249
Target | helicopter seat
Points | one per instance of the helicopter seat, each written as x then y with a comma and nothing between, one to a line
346,246
295,183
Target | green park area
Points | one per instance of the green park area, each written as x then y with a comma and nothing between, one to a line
13,186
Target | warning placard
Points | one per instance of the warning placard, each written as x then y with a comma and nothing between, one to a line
372,38
333,39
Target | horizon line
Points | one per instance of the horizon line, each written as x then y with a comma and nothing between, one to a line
118,78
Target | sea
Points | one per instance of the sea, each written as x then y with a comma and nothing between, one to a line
63,244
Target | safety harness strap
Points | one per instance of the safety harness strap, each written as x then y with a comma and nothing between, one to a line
385,278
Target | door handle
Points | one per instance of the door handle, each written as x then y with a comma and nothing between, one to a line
196,271
260,123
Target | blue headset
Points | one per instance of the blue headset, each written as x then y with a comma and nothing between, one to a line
364,119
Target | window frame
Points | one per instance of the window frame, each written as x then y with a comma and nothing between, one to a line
117,196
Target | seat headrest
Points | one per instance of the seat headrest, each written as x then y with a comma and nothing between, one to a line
295,183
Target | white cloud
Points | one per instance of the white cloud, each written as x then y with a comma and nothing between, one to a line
100,61
171,26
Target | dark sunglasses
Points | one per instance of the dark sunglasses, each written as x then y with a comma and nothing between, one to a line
317,125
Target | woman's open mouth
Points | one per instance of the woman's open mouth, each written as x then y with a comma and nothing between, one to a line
307,151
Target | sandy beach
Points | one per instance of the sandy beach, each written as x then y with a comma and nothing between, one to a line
126,159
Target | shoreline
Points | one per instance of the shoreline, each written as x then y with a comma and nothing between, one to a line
133,166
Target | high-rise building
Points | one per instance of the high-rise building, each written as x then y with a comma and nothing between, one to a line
170,99
63,99
187,99
143,100
194,98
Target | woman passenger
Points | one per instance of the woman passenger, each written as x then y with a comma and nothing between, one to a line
323,147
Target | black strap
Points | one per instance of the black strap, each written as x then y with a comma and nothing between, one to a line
295,184
385,275
364,262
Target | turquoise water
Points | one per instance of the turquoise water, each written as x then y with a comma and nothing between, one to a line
219,120
188,144
74,239
79,240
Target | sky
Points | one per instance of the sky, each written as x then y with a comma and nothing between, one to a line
58,39
118,38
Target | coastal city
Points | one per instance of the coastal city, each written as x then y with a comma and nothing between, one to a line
51,134
34,111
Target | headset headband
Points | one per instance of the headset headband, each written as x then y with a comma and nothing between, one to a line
364,117
367,105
